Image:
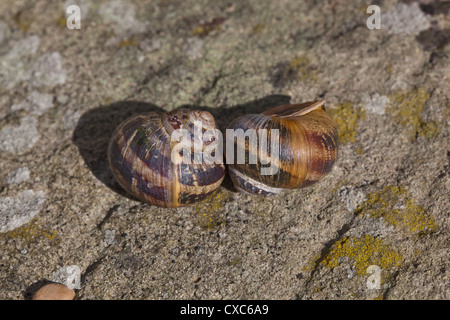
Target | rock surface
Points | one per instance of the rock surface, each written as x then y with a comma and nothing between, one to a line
384,208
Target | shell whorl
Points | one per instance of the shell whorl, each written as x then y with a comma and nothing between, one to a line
139,156
308,145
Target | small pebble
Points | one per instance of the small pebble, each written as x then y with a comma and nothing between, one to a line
350,274
62,99
54,291
110,237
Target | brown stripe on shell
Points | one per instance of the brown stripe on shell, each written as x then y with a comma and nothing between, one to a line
254,121
293,158
214,180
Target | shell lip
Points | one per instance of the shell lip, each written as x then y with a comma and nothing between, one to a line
294,110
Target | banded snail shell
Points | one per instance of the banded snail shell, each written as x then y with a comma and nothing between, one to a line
139,156
308,147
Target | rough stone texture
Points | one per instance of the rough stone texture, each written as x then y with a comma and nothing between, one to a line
385,203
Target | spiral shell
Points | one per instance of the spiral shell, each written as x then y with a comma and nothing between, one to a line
308,146
139,155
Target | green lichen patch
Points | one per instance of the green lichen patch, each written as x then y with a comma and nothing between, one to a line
346,117
395,206
406,108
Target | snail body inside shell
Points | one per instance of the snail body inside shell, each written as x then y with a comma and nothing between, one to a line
308,146
140,159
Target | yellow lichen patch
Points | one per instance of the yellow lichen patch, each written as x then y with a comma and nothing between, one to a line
389,69
363,251
209,211
394,205
61,21
30,232
131,42
406,108
346,117
428,129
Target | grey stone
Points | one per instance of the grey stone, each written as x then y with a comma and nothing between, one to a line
19,175
20,209
376,103
36,103
405,19
122,16
18,139
15,64
48,70
70,276
110,237
351,197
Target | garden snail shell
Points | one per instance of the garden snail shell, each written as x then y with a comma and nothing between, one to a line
139,155
308,146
